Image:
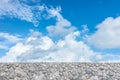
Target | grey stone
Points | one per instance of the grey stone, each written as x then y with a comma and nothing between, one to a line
59,71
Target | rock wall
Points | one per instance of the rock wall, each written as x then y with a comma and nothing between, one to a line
59,71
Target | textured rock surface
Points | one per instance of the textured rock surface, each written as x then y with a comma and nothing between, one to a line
59,71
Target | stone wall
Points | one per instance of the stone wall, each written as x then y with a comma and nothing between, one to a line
59,71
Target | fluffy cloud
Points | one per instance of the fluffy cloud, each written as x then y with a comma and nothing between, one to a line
7,39
37,48
107,35
42,48
21,10
62,27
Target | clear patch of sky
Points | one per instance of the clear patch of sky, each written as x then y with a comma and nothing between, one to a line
2,52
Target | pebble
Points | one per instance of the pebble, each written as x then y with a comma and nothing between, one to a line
59,71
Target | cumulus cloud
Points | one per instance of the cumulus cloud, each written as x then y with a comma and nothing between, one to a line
107,35
42,48
62,27
21,10
37,48
7,39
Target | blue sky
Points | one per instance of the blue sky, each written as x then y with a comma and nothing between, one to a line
52,30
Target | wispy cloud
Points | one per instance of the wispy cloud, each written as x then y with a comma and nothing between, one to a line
6,40
62,27
20,10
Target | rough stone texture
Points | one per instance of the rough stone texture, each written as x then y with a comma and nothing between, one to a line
59,71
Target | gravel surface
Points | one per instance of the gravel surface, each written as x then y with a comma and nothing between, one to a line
59,71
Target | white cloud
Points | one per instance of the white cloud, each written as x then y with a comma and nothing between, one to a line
42,48
7,39
3,46
62,27
107,35
20,10
37,48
